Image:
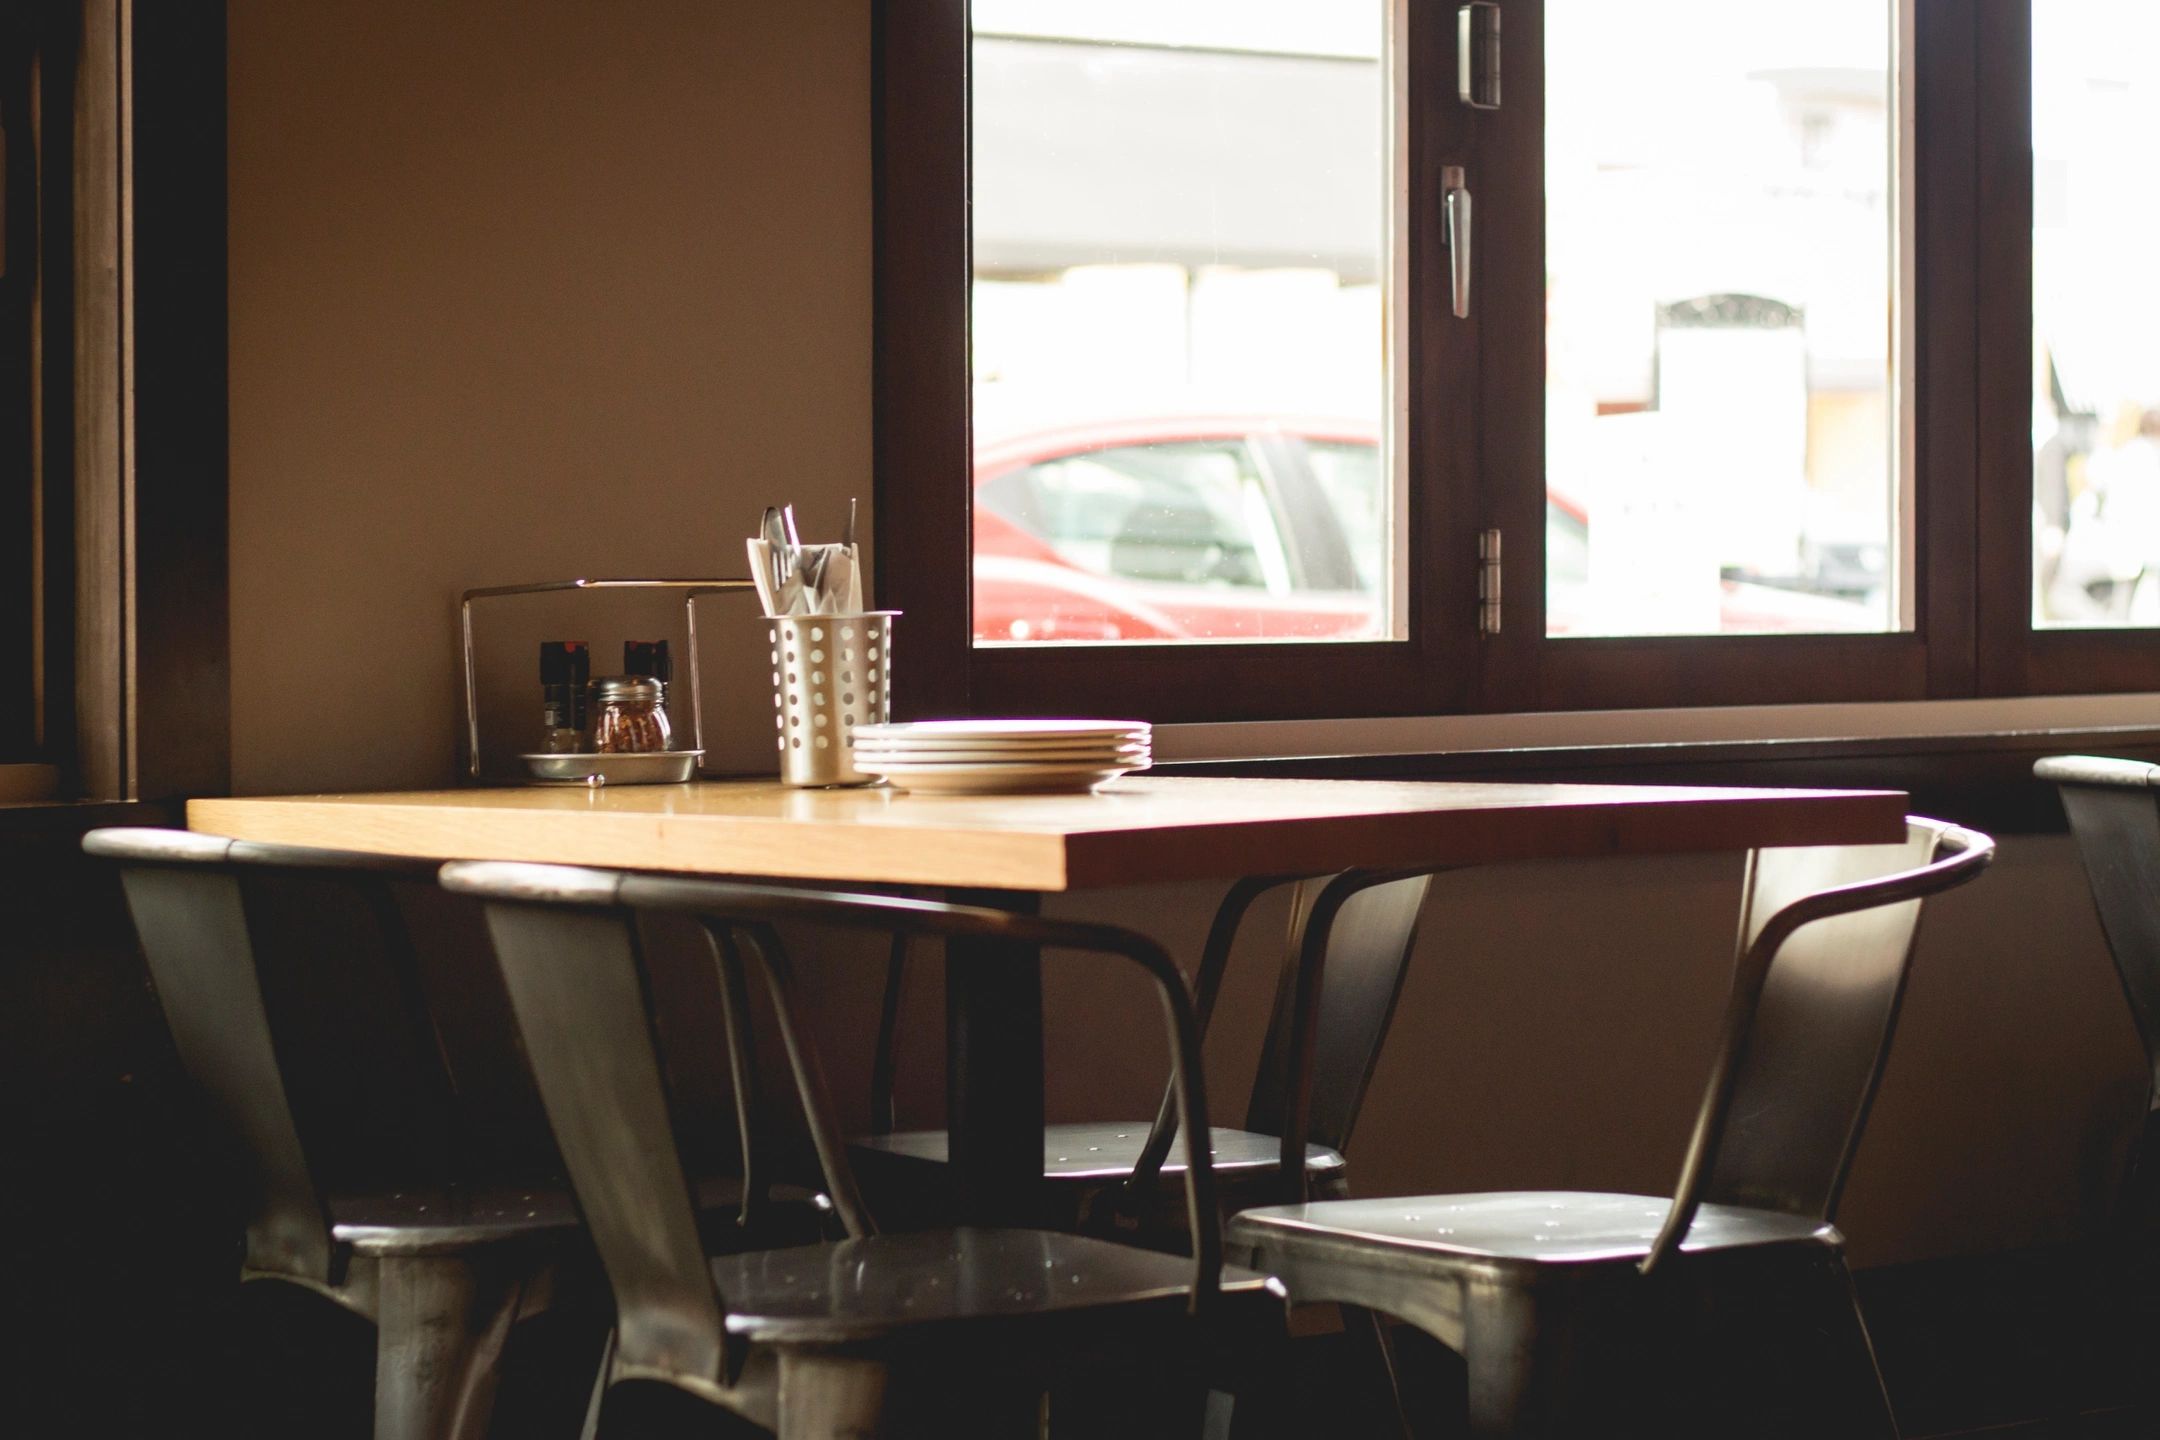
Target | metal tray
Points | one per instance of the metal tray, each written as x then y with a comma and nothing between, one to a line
658,767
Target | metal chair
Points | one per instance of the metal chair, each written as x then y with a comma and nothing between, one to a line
1348,949
382,1167
1564,1304
935,1332
2114,810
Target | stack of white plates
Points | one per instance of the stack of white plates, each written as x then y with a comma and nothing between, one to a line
1003,757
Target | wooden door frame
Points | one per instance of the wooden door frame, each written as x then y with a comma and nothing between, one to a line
134,678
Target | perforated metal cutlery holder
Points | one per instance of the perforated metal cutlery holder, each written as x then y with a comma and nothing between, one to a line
831,673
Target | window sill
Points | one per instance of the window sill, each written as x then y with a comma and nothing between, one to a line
25,784
1964,760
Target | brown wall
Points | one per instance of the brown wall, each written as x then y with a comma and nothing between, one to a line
521,289
540,288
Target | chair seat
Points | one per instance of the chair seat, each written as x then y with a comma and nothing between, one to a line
438,1221
856,1290
1531,1227
409,1222
1096,1153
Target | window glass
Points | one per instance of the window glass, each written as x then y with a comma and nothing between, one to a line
1567,570
1357,494
2096,311
1180,230
1167,514
1722,315
1154,542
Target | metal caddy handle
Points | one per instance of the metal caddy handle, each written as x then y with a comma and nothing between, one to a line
690,590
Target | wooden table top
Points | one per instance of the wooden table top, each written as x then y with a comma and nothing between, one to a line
1133,831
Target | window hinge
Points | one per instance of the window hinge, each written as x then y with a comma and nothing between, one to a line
1477,54
1488,582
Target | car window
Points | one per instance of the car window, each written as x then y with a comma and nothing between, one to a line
1192,513
1349,475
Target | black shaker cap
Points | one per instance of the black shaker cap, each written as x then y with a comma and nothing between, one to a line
647,657
564,662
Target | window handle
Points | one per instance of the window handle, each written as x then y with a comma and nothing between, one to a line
1455,199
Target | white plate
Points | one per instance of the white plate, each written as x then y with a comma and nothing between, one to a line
994,779
994,767
1059,755
1048,750
975,733
1002,767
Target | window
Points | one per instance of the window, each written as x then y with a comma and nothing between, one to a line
1695,348
2096,308
1180,227
1722,315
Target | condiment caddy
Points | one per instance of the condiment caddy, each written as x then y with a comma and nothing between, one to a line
831,662
610,730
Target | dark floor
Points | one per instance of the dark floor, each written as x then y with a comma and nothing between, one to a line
2040,1345
2036,1345
2043,1343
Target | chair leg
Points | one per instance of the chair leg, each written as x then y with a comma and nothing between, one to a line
1523,1362
601,1380
1863,1401
1367,1331
1774,1346
441,1326
832,1397
1261,1400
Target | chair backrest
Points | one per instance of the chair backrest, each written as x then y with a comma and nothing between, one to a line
1349,946
294,990
1342,972
1826,942
2114,810
567,942
341,986
1368,928
575,970
186,905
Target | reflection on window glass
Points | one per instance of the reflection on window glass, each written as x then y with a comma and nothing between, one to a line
1158,541
2096,311
1721,337
1357,493
1179,237
1567,546
1169,514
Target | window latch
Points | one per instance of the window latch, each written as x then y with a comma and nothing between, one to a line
1455,202
1477,54
1488,582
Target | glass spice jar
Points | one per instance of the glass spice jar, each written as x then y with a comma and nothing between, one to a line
629,715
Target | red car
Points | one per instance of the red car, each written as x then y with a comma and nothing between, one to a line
1156,529
1235,528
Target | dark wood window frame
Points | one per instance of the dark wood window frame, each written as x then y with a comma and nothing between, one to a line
27,342
125,693
1485,378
